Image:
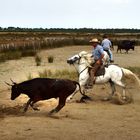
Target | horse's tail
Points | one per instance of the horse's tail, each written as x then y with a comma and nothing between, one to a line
129,73
76,83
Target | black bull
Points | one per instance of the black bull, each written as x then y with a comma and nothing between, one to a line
45,88
126,45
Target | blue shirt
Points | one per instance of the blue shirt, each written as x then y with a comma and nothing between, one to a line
97,52
106,43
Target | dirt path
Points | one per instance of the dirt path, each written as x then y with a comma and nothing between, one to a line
96,120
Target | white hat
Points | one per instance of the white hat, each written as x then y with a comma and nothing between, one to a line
94,40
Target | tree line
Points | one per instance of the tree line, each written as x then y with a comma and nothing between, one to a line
70,30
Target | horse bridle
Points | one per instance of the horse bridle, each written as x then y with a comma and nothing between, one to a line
79,64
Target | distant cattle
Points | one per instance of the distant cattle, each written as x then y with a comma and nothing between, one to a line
44,88
125,45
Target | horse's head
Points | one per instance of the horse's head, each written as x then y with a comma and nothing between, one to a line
73,59
81,64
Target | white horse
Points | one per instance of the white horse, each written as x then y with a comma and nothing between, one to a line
113,73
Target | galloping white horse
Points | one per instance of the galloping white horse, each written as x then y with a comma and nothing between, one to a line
113,73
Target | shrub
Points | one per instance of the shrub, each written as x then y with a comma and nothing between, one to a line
38,60
10,55
50,59
45,73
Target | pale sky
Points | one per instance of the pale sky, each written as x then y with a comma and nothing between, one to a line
70,13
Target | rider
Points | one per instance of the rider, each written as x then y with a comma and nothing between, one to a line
106,43
98,54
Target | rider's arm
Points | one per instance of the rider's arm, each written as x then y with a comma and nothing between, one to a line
100,59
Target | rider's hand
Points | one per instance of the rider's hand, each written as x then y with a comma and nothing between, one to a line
98,62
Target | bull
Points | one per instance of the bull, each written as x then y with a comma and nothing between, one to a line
126,45
44,88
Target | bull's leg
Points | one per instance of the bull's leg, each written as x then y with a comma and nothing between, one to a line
61,104
27,105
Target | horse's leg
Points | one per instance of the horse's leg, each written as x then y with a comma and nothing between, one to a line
119,83
112,85
82,83
84,97
71,96
33,107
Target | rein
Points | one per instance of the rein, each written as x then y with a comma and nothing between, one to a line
88,65
81,70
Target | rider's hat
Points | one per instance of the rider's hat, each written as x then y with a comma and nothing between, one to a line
94,40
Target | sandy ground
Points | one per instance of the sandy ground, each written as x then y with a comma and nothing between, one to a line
94,120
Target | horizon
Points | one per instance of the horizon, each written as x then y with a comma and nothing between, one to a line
72,28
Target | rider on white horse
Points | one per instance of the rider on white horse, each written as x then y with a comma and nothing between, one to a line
98,54
113,74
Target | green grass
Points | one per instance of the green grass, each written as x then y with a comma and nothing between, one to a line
59,74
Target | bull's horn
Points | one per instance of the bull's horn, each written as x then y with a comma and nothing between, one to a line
13,81
8,84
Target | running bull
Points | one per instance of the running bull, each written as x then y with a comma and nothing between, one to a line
44,88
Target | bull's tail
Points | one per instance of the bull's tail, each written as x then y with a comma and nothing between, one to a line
85,97
129,73
76,83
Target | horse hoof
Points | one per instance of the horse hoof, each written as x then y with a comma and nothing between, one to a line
69,100
82,101
124,98
106,99
36,109
85,97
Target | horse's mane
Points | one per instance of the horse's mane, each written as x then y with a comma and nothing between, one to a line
88,56
83,53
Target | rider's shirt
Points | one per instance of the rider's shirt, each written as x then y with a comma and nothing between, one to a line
97,52
106,43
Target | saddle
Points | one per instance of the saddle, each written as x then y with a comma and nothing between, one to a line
101,71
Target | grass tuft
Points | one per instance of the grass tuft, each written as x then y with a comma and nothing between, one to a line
59,74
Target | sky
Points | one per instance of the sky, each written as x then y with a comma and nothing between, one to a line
70,13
